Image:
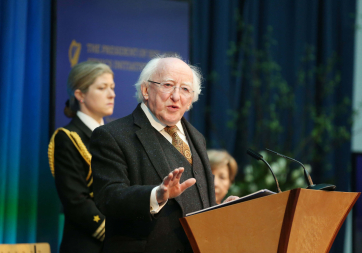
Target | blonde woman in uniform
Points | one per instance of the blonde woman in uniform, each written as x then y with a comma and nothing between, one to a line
91,97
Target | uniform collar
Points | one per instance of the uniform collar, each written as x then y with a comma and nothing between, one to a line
89,121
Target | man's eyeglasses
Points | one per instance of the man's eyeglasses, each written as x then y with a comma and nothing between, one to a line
186,91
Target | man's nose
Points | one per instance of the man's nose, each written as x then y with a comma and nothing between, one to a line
176,93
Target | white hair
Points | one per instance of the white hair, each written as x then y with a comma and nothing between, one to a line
152,66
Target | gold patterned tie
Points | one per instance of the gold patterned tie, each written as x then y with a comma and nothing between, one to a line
178,143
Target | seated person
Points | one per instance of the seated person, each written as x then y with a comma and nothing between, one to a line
224,168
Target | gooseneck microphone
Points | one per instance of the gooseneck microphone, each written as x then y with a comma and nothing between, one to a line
258,156
306,174
324,187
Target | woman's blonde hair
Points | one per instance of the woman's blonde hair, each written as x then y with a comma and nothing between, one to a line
222,157
81,77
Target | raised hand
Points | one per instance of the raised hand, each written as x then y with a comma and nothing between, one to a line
171,187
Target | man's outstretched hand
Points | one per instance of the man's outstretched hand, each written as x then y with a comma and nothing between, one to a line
171,187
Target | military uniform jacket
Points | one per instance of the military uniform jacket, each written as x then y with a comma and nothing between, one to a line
130,158
84,223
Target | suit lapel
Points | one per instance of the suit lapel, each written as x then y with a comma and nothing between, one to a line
147,136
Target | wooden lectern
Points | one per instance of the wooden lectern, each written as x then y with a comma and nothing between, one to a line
296,221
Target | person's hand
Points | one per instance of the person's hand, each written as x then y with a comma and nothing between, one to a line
171,187
230,198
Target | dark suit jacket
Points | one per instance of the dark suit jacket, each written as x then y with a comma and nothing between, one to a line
128,162
70,173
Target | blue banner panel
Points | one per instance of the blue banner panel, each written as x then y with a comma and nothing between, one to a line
357,210
123,34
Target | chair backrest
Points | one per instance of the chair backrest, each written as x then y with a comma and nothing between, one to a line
25,248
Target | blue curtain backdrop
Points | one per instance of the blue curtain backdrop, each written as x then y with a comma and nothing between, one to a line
28,202
301,49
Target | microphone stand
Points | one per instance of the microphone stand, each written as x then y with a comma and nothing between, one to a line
258,156
311,186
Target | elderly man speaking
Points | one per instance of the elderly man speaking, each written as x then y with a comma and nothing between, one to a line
150,168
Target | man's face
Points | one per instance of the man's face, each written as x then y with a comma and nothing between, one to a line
169,108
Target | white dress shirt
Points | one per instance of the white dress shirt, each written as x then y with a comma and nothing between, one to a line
89,121
159,126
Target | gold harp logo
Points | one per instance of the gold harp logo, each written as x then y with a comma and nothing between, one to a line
74,52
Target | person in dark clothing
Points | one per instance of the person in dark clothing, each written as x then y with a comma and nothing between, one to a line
151,168
91,97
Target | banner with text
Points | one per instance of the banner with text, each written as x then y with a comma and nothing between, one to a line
123,34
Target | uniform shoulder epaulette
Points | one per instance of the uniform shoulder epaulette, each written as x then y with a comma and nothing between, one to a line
77,141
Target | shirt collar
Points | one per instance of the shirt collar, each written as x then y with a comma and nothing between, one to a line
89,121
155,122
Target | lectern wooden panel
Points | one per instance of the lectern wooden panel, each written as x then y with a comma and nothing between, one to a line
318,217
293,221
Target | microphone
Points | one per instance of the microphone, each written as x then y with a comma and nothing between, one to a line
258,156
311,186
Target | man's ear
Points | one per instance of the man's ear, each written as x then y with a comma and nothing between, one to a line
79,95
144,90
